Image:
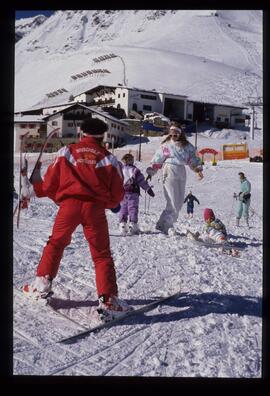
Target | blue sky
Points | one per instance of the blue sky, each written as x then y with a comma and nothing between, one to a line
30,13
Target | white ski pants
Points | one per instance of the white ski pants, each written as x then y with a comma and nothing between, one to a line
174,182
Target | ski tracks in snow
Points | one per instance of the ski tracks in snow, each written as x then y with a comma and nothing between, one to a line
213,329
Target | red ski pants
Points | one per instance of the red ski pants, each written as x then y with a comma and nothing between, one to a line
91,216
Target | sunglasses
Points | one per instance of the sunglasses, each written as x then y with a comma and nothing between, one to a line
177,135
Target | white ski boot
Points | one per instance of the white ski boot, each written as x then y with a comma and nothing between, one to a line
39,289
134,229
112,308
123,228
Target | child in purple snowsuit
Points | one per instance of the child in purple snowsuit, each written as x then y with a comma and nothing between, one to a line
133,180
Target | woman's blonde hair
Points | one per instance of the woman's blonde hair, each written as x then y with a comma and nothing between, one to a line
182,137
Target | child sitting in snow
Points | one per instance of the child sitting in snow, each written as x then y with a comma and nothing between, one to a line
133,180
214,230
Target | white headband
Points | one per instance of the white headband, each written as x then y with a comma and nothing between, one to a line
176,129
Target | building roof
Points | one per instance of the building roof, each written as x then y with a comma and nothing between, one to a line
105,115
153,91
216,104
28,118
99,112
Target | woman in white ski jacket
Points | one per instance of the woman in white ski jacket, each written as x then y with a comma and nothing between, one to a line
175,152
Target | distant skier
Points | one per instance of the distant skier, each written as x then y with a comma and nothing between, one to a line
174,154
244,199
84,180
133,180
190,198
214,230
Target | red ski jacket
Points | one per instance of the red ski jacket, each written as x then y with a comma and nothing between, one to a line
85,171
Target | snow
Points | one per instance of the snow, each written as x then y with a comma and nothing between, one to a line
211,62
214,329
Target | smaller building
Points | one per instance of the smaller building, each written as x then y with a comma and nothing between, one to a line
218,115
137,100
33,124
69,121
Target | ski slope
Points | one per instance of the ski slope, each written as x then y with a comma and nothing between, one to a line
214,328
215,59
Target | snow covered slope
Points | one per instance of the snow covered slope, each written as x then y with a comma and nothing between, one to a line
214,329
214,56
25,26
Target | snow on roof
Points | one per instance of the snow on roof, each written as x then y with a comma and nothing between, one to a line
100,112
28,118
105,115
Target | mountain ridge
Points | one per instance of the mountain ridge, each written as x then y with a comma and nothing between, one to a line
208,49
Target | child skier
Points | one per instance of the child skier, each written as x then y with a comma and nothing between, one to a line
214,230
244,199
190,198
133,180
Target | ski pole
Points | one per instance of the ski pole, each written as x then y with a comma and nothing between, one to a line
144,202
234,197
254,212
148,206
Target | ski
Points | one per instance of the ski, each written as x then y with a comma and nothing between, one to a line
25,188
20,198
47,304
148,307
51,134
226,246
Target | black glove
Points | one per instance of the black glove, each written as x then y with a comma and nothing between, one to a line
116,209
148,178
150,192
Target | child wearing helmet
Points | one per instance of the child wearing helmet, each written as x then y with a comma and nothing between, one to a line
133,180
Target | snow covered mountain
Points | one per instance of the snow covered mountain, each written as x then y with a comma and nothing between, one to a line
25,26
209,55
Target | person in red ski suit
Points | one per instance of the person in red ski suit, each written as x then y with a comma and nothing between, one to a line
84,180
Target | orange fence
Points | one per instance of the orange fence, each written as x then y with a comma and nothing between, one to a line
235,151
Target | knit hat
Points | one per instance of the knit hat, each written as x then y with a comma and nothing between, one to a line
94,127
208,214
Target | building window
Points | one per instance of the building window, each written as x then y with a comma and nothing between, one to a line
54,123
22,126
124,95
189,116
239,120
134,107
32,126
118,95
118,127
150,97
226,119
146,107
218,119
122,128
70,124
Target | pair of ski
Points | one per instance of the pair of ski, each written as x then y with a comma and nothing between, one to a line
24,193
95,328
227,247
